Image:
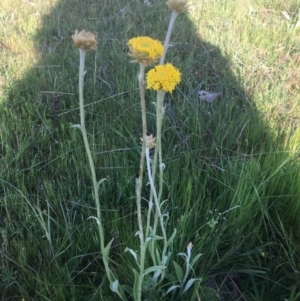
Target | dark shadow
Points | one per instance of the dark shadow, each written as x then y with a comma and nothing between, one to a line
205,145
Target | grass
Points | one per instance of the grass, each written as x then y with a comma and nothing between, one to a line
232,179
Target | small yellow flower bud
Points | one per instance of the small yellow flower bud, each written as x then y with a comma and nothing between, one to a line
150,141
84,40
189,249
178,6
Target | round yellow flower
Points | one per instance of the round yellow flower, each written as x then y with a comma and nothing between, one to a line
145,50
163,77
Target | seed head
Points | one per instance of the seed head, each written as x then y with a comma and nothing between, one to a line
84,40
178,6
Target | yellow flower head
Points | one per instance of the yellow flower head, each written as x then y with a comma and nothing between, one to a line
145,50
84,40
177,5
163,77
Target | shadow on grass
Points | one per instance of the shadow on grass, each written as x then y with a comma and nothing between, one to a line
229,184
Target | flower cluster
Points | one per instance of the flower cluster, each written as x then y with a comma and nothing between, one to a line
84,40
163,77
145,50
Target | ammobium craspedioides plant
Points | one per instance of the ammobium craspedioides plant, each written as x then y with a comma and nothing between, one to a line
152,229
145,51
162,78
86,41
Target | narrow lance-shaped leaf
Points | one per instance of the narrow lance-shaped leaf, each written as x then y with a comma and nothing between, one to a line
153,269
178,271
170,241
107,249
136,285
133,253
101,181
173,287
189,284
195,259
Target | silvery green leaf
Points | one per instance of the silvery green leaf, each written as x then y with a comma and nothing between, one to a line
153,237
178,271
194,260
182,255
76,126
95,218
101,181
114,286
173,287
189,284
107,249
133,253
157,274
165,260
153,269
170,241
136,285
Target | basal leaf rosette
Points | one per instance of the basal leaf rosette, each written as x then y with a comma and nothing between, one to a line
145,50
84,40
178,6
163,78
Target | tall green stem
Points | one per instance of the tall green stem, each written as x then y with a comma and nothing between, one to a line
91,161
159,116
158,150
139,183
159,120
174,15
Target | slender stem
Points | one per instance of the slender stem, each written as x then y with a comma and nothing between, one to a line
174,15
139,183
157,203
91,161
159,119
158,152
159,111
151,178
150,202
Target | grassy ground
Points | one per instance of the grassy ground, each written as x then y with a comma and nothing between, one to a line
232,177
